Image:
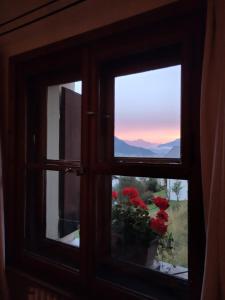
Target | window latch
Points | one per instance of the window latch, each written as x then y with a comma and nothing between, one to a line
68,170
79,171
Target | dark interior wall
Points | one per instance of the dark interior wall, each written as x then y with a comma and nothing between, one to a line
44,26
13,8
67,18
72,20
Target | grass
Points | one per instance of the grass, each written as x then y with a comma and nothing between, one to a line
161,193
77,234
178,225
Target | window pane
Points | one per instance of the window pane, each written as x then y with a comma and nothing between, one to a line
64,121
147,114
150,223
63,207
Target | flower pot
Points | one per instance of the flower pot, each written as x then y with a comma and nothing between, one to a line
135,252
152,251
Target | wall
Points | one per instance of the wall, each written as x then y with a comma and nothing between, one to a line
17,37
79,18
71,21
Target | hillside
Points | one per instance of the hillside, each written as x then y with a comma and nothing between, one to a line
175,143
121,148
140,143
174,152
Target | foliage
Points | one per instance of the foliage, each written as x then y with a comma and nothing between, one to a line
161,193
133,222
125,181
165,251
153,185
147,197
145,186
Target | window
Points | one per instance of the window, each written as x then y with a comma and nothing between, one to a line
55,166
107,192
63,142
147,113
132,240
147,107
144,137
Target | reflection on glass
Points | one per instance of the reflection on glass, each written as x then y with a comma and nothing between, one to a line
63,207
64,121
147,114
150,223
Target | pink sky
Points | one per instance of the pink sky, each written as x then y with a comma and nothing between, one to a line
156,136
147,105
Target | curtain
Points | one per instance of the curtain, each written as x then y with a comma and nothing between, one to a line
213,151
3,289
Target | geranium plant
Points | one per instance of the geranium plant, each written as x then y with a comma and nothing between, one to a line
134,223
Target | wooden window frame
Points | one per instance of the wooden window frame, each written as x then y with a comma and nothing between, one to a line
155,52
99,52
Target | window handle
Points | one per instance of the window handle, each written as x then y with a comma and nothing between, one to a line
79,171
68,170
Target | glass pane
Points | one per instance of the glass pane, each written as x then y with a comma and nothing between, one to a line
147,114
150,223
64,121
63,207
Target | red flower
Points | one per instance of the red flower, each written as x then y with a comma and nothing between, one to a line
158,226
138,202
162,215
162,203
143,205
131,192
114,195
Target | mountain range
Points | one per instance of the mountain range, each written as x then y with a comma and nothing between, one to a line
124,149
175,143
142,148
173,153
140,143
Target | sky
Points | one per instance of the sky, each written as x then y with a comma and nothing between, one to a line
147,105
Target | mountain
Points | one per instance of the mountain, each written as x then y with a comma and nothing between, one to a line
123,149
173,153
175,143
140,143
142,148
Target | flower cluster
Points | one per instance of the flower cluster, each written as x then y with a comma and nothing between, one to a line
158,224
162,203
131,216
134,198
